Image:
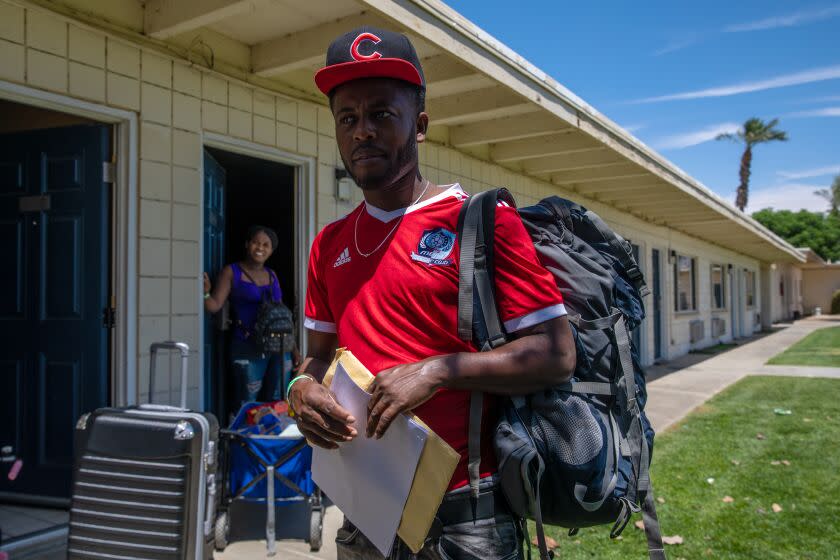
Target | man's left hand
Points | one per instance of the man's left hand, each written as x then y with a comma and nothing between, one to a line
401,389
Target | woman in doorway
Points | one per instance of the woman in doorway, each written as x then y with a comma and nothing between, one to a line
257,375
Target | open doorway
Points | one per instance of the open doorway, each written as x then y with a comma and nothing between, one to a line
241,191
56,235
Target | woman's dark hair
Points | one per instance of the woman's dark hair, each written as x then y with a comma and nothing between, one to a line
272,235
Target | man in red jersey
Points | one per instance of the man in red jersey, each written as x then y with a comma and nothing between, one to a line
383,282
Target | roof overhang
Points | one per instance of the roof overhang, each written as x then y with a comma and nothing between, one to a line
811,256
482,98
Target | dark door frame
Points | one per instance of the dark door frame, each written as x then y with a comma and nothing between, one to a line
656,284
640,254
304,214
124,240
58,343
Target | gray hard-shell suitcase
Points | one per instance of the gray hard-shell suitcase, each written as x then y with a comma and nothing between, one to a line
145,479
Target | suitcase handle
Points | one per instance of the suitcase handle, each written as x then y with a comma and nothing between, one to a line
184,349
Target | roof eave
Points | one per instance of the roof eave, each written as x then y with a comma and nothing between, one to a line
552,96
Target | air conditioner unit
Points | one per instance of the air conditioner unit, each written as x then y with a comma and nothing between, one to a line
718,327
696,331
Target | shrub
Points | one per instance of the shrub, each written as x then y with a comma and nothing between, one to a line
835,303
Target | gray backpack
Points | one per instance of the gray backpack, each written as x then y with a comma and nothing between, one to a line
577,454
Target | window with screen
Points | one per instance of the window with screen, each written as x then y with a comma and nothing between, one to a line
749,281
684,282
718,287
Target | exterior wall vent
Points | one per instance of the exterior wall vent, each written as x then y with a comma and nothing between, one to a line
718,327
696,331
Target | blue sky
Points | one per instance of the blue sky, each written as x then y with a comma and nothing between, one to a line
676,73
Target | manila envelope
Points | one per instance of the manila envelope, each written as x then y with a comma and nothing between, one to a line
434,470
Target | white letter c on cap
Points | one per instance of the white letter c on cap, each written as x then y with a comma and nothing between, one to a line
354,48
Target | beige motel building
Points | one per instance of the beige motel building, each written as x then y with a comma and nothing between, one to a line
141,138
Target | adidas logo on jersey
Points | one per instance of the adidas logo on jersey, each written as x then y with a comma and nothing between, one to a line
343,258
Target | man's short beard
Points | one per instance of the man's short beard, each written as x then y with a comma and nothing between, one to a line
406,161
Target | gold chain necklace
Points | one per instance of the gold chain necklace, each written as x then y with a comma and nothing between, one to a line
393,229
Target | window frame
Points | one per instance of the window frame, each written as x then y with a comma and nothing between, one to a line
749,288
693,284
723,287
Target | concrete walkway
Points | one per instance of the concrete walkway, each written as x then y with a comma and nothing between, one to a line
678,387
677,393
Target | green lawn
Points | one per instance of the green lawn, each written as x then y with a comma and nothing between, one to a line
721,441
716,349
820,348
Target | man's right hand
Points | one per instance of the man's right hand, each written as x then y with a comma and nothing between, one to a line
320,418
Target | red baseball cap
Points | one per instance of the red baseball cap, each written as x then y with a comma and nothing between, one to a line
368,52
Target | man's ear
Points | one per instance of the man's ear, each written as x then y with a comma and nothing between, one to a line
422,127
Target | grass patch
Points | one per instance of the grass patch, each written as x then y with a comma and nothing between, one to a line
716,349
720,442
820,348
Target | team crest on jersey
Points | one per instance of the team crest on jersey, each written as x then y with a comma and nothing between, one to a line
435,247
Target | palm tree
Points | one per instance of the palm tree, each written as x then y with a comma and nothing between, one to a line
832,195
755,131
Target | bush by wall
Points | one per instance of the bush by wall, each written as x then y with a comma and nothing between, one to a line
835,303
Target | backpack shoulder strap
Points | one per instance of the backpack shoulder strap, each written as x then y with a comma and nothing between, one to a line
476,231
477,224
266,295
274,281
641,490
656,550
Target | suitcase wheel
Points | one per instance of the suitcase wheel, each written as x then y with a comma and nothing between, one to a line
222,531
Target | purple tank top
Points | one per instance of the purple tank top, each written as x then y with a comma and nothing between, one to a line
245,297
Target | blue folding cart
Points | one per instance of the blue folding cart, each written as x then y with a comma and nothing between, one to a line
271,464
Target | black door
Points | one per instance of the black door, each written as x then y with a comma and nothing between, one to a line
214,261
54,231
657,305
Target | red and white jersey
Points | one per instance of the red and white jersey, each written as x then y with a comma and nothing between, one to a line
400,304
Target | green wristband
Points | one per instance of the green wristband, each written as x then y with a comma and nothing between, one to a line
296,379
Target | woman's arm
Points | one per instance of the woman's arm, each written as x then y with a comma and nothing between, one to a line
220,292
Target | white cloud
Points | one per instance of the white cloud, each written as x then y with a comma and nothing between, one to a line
634,128
788,196
824,112
679,141
823,99
790,20
677,45
785,80
808,173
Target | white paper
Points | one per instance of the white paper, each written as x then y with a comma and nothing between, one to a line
369,479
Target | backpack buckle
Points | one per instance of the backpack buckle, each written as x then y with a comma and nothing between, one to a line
634,273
